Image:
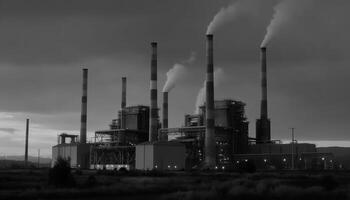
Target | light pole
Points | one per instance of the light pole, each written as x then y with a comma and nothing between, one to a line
292,148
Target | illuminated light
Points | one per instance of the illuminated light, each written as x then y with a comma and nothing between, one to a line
265,160
331,161
223,167
246,160
299,158
216,167
322,158
175,166
156,166
168,166
237,162
284,160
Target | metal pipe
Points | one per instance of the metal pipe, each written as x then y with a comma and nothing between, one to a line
153,128
210,144
83,119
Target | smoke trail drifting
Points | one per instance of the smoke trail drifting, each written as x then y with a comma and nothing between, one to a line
230,12
173,75
177,72
218,77
284,12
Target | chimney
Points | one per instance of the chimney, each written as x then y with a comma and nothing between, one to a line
123,92
84,108
26,144
165,110
263,112
263,124
153,128
210,144
123,105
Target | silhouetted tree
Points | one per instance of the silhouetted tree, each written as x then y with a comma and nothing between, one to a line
60,175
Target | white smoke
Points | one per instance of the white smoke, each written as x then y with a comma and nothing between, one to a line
173,75
284,11
218,78
177,72
226,14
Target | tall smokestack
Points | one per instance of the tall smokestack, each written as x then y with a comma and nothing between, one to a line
153,127
165,110
26,144
263,124
123,105
210,144
123,92
263,111
84,108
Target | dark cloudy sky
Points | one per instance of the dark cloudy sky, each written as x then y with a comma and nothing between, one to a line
45,43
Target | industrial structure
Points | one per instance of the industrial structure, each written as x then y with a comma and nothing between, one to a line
115,148
230,133
214,138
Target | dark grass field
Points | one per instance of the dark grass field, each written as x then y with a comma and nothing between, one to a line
33,184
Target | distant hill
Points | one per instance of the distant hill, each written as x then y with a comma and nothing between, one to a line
341,154
32,159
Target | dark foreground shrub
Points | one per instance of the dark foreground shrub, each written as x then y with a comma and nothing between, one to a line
60,175
123,170
248,167
91,181
329,182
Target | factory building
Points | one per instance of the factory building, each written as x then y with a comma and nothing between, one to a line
215,137
75,152
265,153
115,147
231,133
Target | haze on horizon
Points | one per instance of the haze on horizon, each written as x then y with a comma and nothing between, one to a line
45,44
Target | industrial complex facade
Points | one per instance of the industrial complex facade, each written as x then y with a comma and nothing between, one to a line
217,137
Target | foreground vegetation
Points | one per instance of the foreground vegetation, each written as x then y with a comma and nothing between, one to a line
36,184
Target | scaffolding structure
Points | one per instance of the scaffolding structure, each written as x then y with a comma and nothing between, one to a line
115,149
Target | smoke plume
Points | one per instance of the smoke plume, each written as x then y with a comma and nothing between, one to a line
284,11
226,14
177,72
218,77
173,75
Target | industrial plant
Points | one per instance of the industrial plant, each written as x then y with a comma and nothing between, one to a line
215,138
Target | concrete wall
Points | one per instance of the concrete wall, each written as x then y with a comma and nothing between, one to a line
169,156
144,157
65,151
281,148
161,156
77,154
